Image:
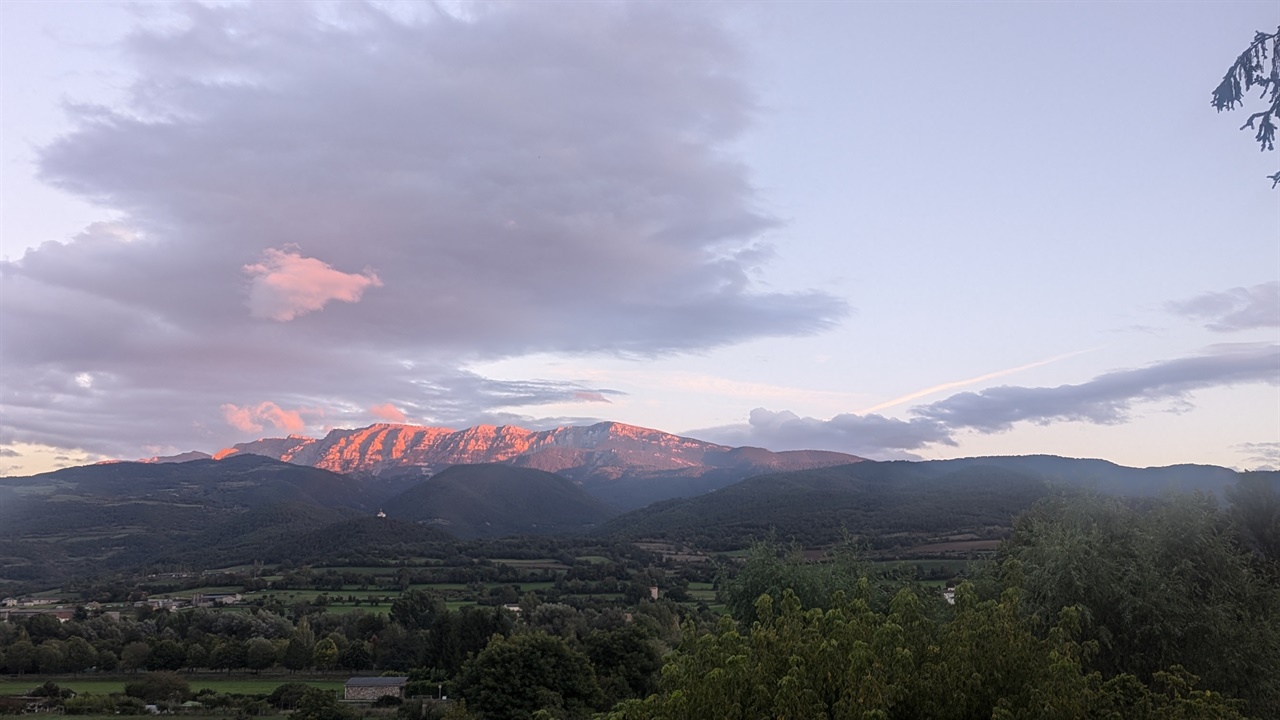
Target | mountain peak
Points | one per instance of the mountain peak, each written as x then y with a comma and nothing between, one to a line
601,452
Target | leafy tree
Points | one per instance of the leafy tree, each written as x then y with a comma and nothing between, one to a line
1254,69
1255,510
229,655
1156,588
197,656
79,655
260,654
108,661
21,657
851,661
626,661
515,678
325,654
417,609
134,656
49,657
167,655
356,656
297,656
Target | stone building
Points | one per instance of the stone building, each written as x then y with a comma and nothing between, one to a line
368,689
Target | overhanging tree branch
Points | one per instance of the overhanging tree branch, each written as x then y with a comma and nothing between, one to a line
1253,68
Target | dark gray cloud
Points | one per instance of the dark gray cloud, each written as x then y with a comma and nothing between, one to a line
331,214
864,435
1106,399
1242,308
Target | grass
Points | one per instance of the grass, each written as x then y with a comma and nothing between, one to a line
231,685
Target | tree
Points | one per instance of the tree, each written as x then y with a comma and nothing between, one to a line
80,655
515,678
297,656
21,657
260,654
1255,510
1254,69
167,655
417,609
1157,587
325,654
626,661
134,656
356,656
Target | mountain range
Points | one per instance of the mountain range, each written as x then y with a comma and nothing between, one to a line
622,465
441,487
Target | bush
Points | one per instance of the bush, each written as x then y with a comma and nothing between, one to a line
388,701
159,686
286,696
90,704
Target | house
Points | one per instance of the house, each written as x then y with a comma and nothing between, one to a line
368,689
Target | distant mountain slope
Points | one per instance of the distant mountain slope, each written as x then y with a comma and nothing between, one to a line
624,465
820,506
492,500
882,498
1102,475
357,540
100,517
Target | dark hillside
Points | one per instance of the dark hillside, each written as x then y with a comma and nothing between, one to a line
99,518
818,506
492,500
358,540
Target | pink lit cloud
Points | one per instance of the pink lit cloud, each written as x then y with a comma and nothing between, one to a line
388,412
286,284
252,418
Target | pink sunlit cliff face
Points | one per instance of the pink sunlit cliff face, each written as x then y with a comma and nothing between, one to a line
603,450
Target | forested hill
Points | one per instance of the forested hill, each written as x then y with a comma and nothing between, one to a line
1098,475
492,500
879,499
104,517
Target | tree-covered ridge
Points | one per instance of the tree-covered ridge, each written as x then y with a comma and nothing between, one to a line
1095,608
850,662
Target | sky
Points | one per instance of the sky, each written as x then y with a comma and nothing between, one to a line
899,230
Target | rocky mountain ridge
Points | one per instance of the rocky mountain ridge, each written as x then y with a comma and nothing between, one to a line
592,455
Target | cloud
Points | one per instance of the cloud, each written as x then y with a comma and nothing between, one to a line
1261,455
1235,309
251,419
1106,399
9,452
863,435
533,178
286,285
388,412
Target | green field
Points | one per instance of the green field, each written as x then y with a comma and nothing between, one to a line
101,686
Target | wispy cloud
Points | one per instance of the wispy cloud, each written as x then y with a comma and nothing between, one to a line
970,381
1241,308
1107,399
